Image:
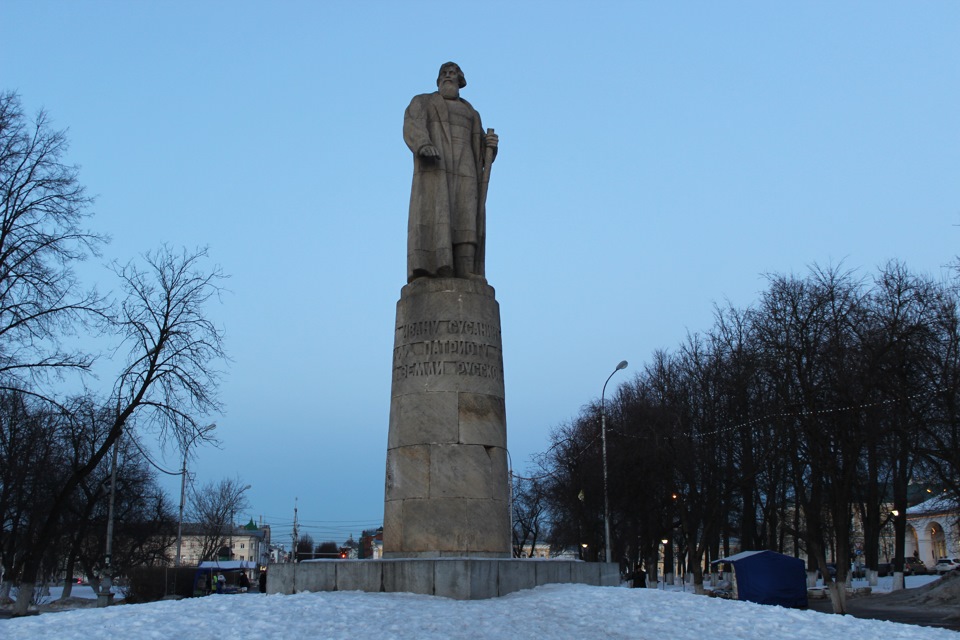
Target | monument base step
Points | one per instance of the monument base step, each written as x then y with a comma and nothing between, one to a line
457,578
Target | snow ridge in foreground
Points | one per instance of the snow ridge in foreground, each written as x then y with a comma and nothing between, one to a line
552,611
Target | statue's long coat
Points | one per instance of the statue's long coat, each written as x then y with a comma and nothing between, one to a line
445,206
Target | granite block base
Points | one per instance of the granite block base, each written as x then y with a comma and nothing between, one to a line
457,578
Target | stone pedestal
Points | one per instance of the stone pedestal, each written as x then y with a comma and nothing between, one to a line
447,483
462,579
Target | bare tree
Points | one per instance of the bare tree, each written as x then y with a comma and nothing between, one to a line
42,209
170,379
529,515
145,526
212,508
327,549
32,466
778,425
304,547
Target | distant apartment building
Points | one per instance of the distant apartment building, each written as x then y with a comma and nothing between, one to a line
249,542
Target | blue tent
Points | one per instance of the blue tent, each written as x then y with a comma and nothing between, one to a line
767,577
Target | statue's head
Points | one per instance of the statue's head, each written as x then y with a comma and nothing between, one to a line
461,80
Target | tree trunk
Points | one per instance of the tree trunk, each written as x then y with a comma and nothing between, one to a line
24,598
838,596
897,581
68,581
871,515
67,585
695,567
901,481
652,577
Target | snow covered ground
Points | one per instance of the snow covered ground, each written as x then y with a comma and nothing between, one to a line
553,611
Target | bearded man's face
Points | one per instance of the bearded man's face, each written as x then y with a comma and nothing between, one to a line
449,82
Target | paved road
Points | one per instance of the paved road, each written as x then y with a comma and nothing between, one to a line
868,607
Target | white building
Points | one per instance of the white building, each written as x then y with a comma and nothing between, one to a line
248,543
932,530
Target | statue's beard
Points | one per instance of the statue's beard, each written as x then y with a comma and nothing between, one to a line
449,89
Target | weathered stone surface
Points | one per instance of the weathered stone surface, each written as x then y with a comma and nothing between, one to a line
280,578
514,575
553,572
321,576
437,555
408,472
462,578
447,339
447,485
586,573
609,574
467,471
481,420
455,525
359,576
409,576
451,169
393,524
466,579
433,422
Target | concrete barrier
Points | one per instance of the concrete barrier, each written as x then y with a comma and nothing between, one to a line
457,578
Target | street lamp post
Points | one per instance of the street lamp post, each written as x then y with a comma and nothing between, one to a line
663,562
183,483
603,436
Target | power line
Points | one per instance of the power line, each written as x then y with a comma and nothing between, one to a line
148,459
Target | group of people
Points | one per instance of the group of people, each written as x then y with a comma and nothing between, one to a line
218,583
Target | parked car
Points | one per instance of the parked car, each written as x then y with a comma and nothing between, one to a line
884,569
856,570
914,567
946,564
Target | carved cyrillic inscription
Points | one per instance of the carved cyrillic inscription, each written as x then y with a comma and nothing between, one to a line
429,328
469,327
416,330
418,369
447,348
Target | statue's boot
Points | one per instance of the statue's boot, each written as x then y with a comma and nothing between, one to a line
464,260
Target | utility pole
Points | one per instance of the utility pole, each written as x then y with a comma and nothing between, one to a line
295,527
105,597
183,495
204,433
295,532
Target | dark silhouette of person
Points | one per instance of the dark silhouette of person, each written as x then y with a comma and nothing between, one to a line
639,577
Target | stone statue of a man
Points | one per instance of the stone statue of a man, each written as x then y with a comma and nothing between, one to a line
446,230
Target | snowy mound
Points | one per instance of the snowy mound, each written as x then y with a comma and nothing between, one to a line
942,592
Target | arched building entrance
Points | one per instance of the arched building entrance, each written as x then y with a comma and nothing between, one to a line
938,542
932,529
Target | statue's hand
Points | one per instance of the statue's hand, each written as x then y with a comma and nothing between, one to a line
491,140
429,151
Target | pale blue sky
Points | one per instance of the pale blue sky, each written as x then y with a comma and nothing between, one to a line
655,159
